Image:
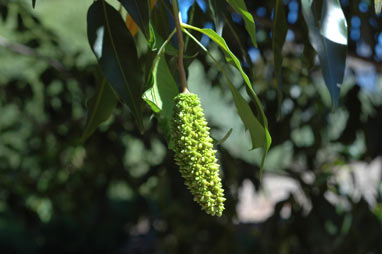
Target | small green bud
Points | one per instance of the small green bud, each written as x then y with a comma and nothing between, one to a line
194,154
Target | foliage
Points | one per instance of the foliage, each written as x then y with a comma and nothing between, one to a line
121,192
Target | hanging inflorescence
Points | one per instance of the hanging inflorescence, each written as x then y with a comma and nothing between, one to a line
194,154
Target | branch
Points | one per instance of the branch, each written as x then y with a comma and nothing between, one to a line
182,72
27,51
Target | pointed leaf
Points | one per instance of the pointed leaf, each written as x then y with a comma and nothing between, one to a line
235,61
100,107
258,130
330,42
240,7
116,53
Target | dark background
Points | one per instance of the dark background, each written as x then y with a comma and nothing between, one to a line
121,192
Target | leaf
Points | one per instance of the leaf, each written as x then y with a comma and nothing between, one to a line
258,130
139,12
279,33
160,97
100,107
33,3
158,41
130,23
309,55
240,7
377,6
163,89
116,53
226,136
232,58
329,41
217,10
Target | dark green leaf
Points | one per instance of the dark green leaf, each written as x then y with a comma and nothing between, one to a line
33,3
240,7
217,8
139,10
100,107
116,53
329,39
309,55
279,33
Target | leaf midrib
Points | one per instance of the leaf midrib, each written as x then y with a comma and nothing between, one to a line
117,57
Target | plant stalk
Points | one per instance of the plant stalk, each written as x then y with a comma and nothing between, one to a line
182,72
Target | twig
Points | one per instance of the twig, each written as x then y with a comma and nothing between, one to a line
182,72
27,51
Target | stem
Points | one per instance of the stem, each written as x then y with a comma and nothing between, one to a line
165,43
182,72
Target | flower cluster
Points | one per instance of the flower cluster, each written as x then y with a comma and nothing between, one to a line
194,154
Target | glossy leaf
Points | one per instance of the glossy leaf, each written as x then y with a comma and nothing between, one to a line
258,128
329,41
279,33
130,23
116,53
100,107
163,89
139,12
240,7
160,96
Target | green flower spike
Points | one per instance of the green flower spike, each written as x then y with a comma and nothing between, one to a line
194,154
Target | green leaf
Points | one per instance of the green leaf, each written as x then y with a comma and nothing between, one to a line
140,12
160,97
226,136
100,107
377,6
158,41
279,33
33,3
258,128
235,61
116,53
240,7
328,37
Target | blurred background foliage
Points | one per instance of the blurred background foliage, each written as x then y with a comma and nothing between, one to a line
121,191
